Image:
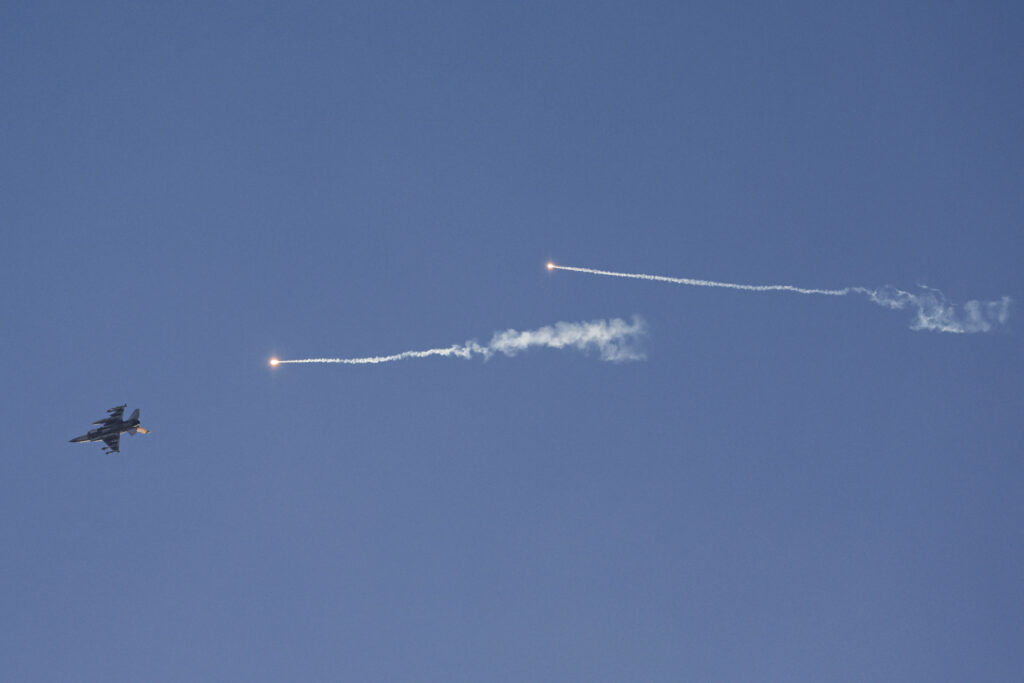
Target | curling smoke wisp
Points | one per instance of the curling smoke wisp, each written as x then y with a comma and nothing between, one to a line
615,340
933,311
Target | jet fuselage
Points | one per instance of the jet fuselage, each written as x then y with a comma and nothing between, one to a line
110,429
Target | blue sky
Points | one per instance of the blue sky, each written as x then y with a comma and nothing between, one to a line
787,487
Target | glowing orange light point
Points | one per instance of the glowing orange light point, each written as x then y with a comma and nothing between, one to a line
551,266
274,361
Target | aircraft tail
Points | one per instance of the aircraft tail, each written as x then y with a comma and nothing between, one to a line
137,429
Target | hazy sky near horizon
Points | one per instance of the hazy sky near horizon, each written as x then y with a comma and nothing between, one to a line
724,485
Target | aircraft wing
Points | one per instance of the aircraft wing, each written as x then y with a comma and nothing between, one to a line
116,414
113,443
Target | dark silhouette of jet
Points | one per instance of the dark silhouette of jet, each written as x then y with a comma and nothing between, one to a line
111,428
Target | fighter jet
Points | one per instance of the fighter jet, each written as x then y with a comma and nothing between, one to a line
111,427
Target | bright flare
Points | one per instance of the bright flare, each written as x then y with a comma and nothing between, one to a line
934,312
615,340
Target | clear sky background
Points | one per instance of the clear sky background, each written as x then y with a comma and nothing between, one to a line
787,488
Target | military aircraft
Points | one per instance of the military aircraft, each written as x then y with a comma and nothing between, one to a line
111,427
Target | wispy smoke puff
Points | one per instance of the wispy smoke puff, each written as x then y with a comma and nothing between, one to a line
933,311
615,340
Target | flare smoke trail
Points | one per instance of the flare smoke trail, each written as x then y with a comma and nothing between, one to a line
614,339
933,311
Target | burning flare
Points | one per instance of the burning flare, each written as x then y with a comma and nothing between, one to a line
614,340
932,310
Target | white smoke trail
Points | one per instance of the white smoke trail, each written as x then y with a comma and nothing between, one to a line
933,311
704,283
614,339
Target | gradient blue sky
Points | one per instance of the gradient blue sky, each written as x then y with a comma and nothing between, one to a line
787,488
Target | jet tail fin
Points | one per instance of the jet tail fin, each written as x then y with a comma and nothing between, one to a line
135,414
